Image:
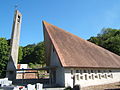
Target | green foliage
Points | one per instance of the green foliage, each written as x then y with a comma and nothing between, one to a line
4,56
32,65
108,39
20,54
34,55
28,54
39,53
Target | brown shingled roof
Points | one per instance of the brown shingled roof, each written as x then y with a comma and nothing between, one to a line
76,52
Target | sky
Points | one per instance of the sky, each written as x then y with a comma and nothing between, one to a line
84,18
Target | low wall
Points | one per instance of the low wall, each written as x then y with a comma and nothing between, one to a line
30,81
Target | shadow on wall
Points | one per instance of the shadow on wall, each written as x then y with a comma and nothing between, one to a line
76,87
11,70
113,89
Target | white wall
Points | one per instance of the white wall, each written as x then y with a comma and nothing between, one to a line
93,80
65,78
68,77
59,70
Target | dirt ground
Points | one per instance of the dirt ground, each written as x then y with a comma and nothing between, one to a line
112,86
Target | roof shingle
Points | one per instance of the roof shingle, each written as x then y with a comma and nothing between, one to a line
76,52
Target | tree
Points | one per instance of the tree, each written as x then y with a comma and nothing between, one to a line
33,54
27,54
39,53
20,54
4,56
109,39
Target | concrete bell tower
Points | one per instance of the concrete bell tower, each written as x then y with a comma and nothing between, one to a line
14,43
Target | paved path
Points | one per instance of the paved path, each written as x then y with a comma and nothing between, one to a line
53,89
113,86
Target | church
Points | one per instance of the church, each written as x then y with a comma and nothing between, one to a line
76,61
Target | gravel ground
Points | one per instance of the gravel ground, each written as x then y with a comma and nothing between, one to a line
112,86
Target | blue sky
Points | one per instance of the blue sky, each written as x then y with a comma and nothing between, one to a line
84,18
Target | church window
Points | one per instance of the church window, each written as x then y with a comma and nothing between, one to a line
105,76
18,18
77,71
81,77
111,75
91,71
77,76
99,71
102,76
89,77
104,71
92,76
99,76
80,71
85,71
95,71
96,76
110,71
72,72
85,77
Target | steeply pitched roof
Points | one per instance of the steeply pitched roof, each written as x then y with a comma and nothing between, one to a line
76,52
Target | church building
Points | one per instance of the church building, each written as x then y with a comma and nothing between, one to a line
76,61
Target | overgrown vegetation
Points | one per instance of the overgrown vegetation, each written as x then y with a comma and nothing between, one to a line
34,54
4,52
109,39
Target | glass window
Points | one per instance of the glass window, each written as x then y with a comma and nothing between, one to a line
105,76
91,71
111,75
104,71
95,71
89,77
72,72
80,71
96,76
85,77
77,71
102,76
99,71
85,71
81,77
18,18
92,76
110,71
77,77
99,76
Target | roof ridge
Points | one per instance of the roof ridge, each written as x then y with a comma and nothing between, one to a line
54,43
78,37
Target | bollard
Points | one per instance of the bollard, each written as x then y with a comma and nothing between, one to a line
39,86
30,87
